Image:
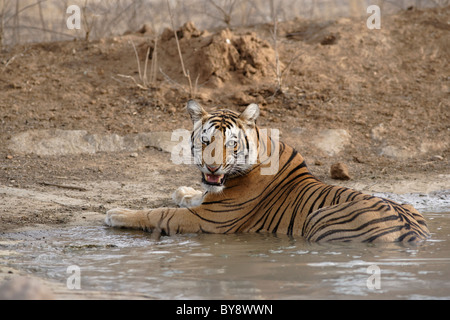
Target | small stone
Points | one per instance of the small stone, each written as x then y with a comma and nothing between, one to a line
171,110
24,288
134,155
146,29
339,171
437,158
9,157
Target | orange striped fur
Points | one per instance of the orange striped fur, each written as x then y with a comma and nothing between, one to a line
291,201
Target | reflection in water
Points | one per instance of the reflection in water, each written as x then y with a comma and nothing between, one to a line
241,266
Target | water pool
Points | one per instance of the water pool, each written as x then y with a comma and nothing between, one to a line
239,266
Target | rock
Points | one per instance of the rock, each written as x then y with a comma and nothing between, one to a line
58,142
171,110
378,132
332,141
51,142
188,30
339,171
400,153
329,39
160,140
437,158
434,146
146,29
24,288
318,162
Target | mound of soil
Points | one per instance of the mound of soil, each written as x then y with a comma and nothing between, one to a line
212,59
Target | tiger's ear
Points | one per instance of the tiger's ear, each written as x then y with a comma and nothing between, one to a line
250,114
195,111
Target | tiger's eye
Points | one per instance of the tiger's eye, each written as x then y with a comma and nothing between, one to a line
231,144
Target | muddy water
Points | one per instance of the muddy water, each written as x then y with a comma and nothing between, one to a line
236,266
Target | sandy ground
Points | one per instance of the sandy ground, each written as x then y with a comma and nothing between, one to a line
60,194
376,100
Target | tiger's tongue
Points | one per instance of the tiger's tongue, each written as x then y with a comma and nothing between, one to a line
213,178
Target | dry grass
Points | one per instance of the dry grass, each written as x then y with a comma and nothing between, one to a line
186,73
144,82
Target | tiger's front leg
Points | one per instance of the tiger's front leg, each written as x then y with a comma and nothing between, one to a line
187,197
126,218
163,220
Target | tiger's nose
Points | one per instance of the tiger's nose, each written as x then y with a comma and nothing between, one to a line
213,168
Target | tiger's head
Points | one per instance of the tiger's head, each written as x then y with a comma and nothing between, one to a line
224,143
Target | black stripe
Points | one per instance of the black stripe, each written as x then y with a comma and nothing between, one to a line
387,231
346,238
337,209
362,227
337,196
297,202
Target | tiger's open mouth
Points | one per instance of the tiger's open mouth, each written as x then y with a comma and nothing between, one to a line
213,179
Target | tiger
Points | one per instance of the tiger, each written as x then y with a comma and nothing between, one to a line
231,152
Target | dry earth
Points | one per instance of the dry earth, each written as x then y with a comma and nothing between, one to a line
77,138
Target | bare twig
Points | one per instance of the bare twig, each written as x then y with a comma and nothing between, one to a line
19,11
63,186
15,17
16,30
2,21
87,24
134,80
154,66
41,14
138,60
171,81
142,73
275,47
185,73
144,78
119,16
288,67
10,60
226,15
40,29
196,83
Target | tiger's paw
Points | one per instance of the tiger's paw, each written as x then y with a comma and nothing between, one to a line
187,197
124,218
